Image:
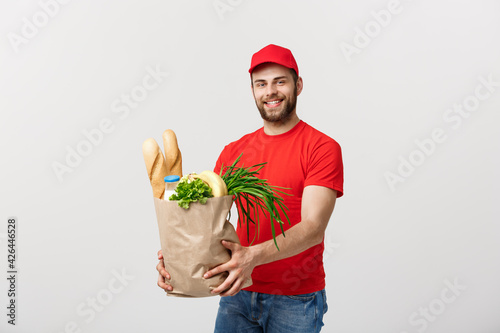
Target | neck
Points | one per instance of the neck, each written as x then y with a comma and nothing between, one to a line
279,127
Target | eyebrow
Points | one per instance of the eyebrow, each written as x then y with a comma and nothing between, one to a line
276,78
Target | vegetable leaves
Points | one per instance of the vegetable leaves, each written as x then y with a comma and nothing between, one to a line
191,190
253,195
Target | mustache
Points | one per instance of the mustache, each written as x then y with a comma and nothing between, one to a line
273,97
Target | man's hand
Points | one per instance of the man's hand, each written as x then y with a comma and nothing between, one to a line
317,207
240,269
163,275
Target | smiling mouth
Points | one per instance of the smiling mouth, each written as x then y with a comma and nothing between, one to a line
273,103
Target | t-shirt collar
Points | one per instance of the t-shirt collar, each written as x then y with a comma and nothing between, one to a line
283,136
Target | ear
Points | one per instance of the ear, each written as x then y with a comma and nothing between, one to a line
300,85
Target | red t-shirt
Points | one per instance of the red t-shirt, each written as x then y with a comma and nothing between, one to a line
300,157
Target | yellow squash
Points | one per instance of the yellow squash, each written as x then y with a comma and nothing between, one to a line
218,186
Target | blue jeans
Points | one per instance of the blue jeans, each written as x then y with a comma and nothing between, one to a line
255,312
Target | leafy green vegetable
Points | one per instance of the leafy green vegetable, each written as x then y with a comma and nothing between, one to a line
191,190
253,195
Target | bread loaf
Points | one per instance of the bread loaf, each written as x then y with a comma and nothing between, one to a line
173,156
156,166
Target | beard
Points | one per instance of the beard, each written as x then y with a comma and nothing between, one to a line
279,116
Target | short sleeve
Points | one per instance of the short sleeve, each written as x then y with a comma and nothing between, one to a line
325,167
221,160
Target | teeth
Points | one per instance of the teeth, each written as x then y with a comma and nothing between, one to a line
273,102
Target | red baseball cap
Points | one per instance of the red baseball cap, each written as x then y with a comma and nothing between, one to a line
276,54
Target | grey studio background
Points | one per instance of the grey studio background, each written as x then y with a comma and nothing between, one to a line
410,90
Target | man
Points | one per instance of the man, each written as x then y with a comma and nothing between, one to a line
288,292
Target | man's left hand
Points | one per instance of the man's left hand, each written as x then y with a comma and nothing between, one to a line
240,268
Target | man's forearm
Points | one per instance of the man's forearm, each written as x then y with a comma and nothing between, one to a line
317,207
297,239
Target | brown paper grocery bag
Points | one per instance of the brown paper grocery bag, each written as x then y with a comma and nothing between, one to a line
191,244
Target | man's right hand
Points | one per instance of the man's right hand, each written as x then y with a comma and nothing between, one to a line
163,275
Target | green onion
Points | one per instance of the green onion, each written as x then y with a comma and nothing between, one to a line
252,195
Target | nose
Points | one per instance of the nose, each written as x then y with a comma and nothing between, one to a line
271,90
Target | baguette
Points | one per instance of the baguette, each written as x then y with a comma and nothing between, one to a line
173,156
156,166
